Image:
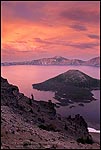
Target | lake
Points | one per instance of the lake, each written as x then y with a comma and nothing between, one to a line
25,75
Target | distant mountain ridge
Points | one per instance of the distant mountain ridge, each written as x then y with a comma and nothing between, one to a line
57,60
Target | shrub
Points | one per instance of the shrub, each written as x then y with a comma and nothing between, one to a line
66,128
84,141
26,143
31,110
49,127
41,120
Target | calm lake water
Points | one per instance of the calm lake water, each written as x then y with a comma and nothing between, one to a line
24,76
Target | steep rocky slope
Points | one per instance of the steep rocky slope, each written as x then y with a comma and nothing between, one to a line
31,124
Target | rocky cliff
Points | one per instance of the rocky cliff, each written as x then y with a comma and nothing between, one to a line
30,124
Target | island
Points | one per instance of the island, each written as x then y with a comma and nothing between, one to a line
71,86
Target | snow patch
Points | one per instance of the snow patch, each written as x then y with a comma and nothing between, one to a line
93,130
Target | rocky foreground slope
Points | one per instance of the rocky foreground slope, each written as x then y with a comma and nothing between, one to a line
31,124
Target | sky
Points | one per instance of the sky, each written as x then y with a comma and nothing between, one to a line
41,29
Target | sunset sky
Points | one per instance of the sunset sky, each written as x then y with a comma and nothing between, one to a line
37,29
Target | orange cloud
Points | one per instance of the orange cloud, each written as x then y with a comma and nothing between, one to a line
46,29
